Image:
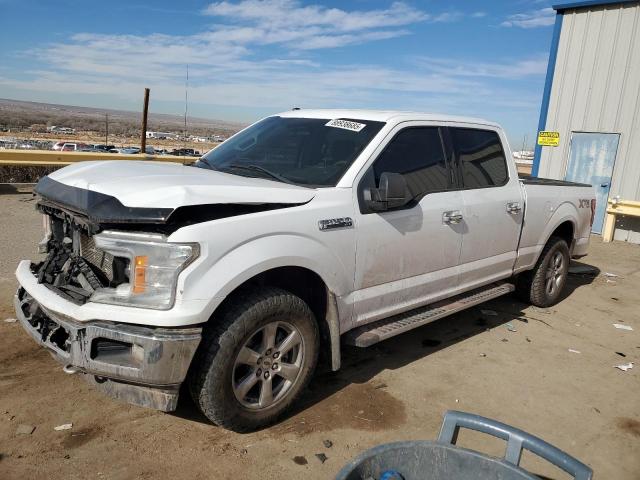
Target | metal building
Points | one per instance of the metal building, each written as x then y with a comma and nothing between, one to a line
592,99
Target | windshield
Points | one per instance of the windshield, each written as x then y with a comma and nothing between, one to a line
303,151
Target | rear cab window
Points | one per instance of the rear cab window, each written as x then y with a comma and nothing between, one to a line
480,157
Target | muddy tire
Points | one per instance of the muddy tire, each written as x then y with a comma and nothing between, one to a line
543,285
256,357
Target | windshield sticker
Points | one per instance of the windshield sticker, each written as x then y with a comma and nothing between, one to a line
345,124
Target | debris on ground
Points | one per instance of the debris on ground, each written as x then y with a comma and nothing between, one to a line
10,320
322,457
583,270
620,326
611,275
621,354
391,475
511,328
64,426
546,311
490,313
483,354
574,351
615,298
625,366
327,443
25,429
300,460
504,340
528,339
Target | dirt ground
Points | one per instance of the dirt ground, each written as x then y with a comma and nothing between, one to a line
397,390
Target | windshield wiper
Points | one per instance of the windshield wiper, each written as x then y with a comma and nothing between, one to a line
258,168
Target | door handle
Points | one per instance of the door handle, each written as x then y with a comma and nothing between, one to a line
604,185
513,208
452,217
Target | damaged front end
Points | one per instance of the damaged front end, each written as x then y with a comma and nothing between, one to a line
74,266
143,365
139,365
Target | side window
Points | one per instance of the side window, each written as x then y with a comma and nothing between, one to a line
480,156
416,153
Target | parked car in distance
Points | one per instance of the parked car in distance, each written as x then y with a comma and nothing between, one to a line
73,147
185,152
58,146
306,231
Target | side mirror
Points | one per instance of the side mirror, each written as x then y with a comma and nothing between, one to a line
391,193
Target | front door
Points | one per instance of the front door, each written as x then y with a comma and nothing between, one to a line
409,256
591,161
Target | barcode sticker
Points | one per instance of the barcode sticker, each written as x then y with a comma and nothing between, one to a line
345,124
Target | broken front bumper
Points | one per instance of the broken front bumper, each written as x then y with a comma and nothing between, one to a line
140,365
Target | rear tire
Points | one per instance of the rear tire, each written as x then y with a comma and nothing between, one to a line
543,285
256,357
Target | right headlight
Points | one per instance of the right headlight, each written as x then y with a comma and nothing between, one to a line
153,268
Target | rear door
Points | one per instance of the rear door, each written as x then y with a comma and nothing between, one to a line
493,206
409,256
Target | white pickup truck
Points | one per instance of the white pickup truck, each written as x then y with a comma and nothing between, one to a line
307,230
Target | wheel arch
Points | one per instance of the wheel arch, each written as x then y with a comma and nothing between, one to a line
313,290
563,224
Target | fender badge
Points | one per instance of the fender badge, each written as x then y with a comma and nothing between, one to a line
333,223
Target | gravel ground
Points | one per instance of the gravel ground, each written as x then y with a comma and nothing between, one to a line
397,390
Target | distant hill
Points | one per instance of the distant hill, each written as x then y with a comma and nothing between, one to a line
16,114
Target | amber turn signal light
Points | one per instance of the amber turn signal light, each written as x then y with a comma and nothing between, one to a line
139,273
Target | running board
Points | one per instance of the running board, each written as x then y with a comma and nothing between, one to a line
380,330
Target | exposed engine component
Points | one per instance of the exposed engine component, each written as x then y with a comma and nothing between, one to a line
74,267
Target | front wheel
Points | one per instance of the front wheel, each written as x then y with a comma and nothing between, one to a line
256,358
543,285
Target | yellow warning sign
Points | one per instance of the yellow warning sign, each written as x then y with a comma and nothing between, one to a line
549,139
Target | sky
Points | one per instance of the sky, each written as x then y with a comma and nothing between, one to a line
252,58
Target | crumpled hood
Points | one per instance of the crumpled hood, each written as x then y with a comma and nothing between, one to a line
160,185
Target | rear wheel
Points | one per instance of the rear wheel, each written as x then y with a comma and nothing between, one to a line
543,285
255,359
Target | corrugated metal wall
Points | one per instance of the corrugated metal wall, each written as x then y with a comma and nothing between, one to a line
596,88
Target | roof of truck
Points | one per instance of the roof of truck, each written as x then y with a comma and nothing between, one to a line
381,115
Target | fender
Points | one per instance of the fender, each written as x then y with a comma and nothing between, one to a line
283,250
259,255
566,211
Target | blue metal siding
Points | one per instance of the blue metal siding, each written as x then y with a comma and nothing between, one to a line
544,108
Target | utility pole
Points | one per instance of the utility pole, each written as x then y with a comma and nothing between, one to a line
106,129
145,111
186,101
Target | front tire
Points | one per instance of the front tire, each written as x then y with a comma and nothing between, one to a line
543,285
256,358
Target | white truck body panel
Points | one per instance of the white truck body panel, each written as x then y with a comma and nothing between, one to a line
170,185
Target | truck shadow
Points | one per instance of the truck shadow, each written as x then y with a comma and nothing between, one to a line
361,365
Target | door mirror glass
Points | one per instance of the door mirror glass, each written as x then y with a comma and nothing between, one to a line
391,193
